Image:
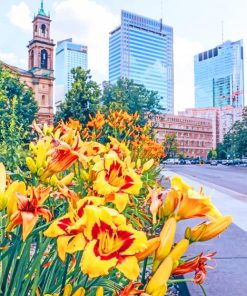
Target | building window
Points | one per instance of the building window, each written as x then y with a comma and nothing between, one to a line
43,100
43,29
32,59
215,51
210,53
44,59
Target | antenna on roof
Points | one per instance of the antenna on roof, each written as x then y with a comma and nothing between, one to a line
222,31
161,9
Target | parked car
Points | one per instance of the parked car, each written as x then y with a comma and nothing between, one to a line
214,162
182,161
188,161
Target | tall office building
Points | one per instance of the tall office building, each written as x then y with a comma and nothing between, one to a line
142,49
69,55
219,76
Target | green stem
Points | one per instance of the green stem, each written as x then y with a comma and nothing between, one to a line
143,280
65,274
92,283
180,281
203,290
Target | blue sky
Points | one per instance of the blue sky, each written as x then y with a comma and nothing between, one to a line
197,26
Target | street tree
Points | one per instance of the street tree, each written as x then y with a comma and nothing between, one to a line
18,109
235,141
128,96
212,154
83,98
171,145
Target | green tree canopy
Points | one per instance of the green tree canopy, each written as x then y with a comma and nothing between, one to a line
18,109
128,96
26,107
235,141
171,145
83,98
212,154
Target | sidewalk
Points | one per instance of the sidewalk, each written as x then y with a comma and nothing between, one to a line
228,278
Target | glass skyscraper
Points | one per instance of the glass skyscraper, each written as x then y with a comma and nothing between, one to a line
69,55
219,76
142,49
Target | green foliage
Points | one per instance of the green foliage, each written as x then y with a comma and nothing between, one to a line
212,154
83,98
235,141
131,97
171,145
220,149
17,111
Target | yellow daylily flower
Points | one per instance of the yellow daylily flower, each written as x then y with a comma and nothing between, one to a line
191,203
8,196
69,228
208,230
114,180
111,244
29,209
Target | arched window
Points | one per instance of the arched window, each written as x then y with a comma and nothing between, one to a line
43,100
44,59
43,29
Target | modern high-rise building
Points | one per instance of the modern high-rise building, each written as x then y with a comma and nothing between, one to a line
219,76
69,55
142,49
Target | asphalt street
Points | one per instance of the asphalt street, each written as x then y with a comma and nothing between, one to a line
233,178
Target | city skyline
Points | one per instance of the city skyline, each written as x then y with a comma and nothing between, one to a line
93,20
141,49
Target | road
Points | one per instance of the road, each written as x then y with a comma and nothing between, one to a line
229,177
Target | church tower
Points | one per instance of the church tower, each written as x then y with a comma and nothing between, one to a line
40,64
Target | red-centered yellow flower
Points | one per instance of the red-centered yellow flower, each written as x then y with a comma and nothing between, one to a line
61,157
131,289
115,180
89,150
111,244
119,147
198,265
29,210
69,240
208,230
69,228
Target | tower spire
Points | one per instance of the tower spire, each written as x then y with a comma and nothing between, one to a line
41,10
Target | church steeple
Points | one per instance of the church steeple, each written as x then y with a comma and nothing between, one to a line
41,10
41,46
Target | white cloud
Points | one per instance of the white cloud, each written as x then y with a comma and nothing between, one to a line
12,59
184,51
87,23
20,16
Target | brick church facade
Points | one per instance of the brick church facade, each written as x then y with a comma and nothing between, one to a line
40,73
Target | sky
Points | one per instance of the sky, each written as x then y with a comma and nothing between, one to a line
197,27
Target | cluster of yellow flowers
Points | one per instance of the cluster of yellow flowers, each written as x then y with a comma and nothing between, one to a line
103,187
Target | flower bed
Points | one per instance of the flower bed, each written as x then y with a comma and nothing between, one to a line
89,217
